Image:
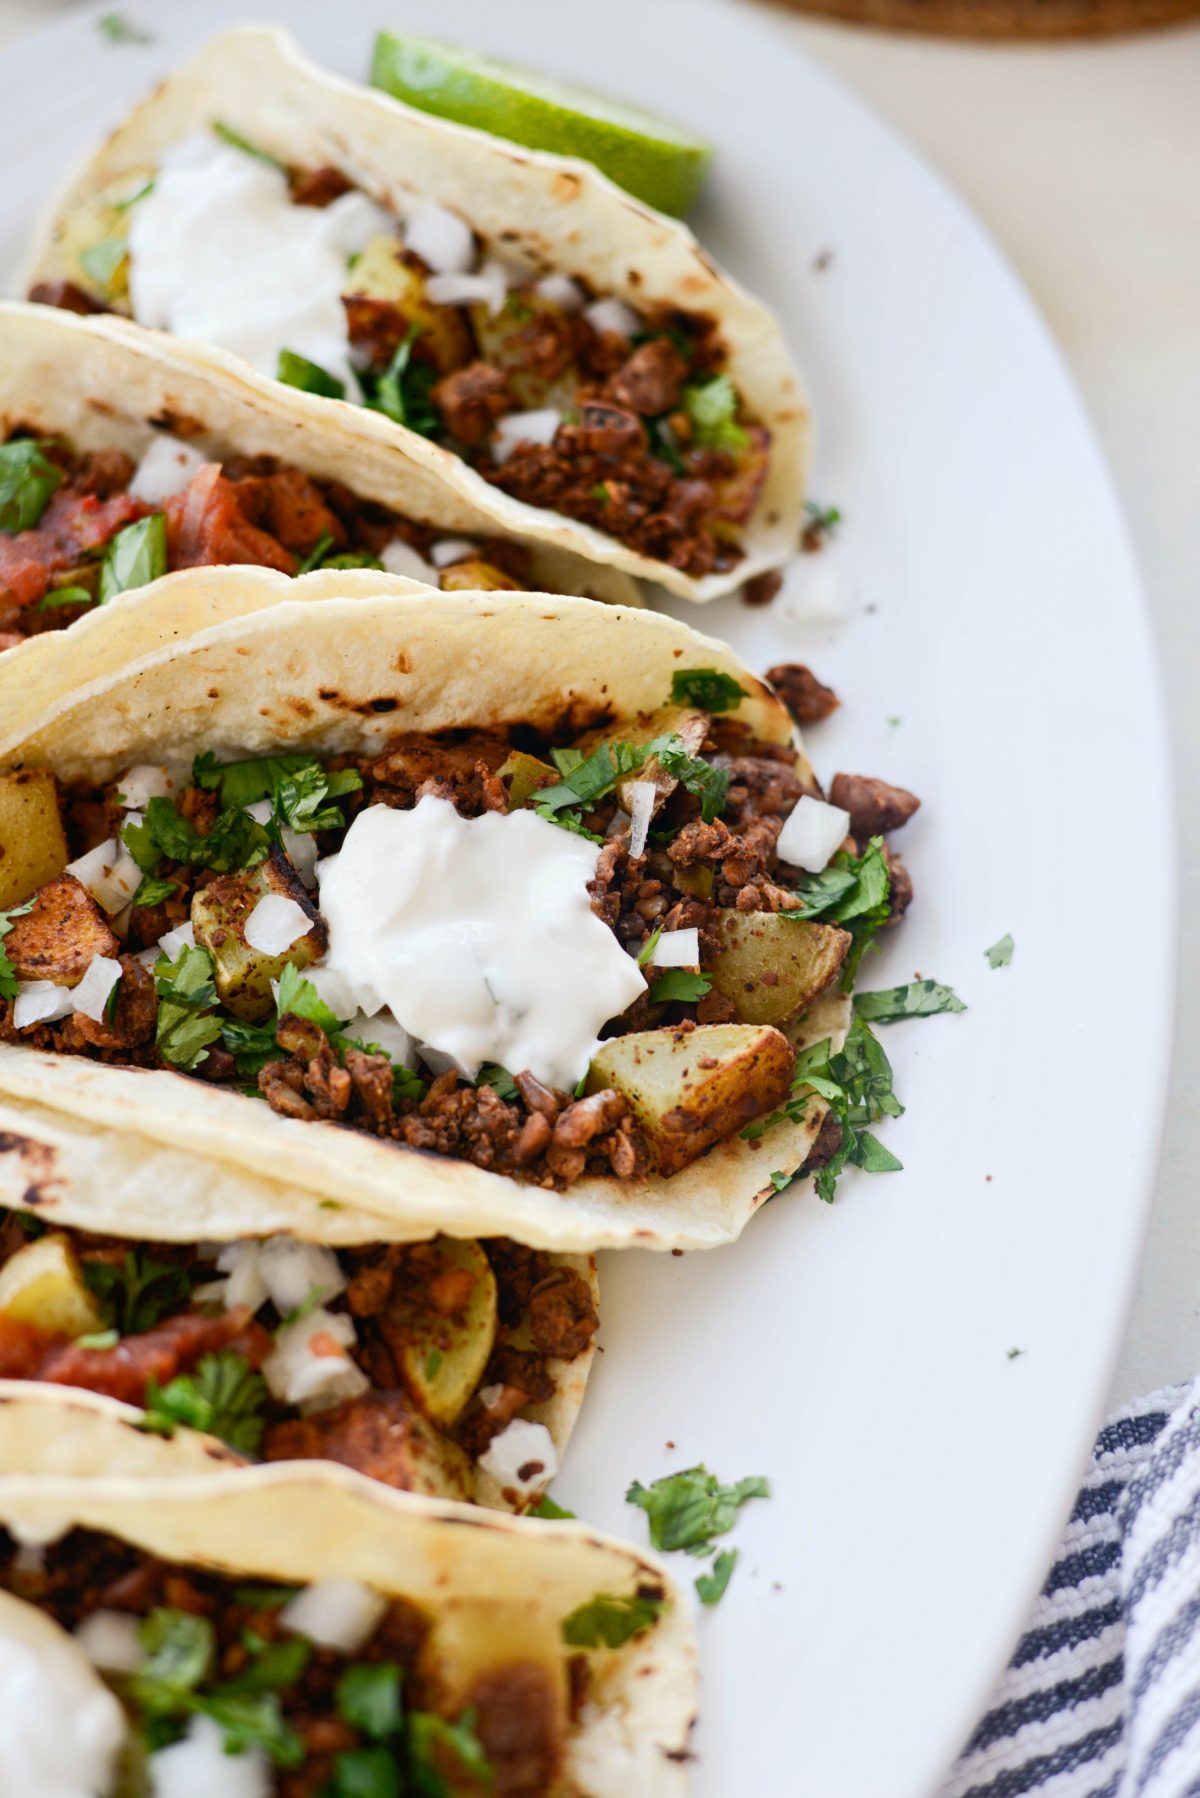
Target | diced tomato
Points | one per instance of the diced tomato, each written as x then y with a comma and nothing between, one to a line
23,1348
73,525
125,1370
206,525
291,508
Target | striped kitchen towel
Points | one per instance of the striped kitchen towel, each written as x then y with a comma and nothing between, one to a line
1102,1696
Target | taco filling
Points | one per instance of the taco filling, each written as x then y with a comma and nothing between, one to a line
422,1365
567,399
78,529
548,959
126,1675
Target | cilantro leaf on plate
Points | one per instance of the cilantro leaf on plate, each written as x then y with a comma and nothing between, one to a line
920,999
686,1510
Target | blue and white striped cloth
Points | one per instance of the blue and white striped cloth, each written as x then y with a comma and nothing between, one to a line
1102,1696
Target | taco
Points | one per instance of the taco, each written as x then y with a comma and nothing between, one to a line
568,364
124,455
473,912
301,1631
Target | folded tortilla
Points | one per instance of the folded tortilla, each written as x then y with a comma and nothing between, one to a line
102,383
550,212
248,661
493,1587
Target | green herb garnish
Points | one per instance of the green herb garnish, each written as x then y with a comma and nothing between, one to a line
186,995
491,1074
137,1292
9,984
711,1586
1001,953
677,986
403,392
224,1398
228,135
134,557
609,1620
920,999
687,1510
708,688
28,482
712,407
295,370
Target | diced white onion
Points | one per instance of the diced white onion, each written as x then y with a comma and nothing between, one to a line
144,782
292,1270
300,846
213,1292
335,1613
261,811
275,924
522,1448
41,1002
109,873
812,834
164,470
317,1376
110,1641
92,993
677,949
612,315
355,219
450,550
489,286
641,795
399,557
383,1029
439,1062
538,426
489,1396
172,943
443,241
561,291
197,1766
333,989
244,1284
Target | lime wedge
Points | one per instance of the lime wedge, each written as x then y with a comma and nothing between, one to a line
647,157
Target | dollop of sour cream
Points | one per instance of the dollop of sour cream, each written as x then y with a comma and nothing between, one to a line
478,934
63,1729
219,254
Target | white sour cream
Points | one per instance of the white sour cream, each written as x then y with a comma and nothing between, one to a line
63,1728
219,254
478,934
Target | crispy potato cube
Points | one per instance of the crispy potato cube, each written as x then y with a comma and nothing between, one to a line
530,339
58,938
43,1285
525,774
682,721
385,271
33,844
243,974
771,967
477,576
689,1089
443,1346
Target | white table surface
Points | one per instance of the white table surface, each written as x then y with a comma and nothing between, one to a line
1082,161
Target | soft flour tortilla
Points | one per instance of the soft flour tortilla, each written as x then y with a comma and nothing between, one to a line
103,383
553,213
72,1174
496,1588
374,657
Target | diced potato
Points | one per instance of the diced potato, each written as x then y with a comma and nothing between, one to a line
33,843
421,1459
771,967
92,236
219,912
697,880
737,494
443,1348
43,1285
683,721
691,1089
386,271
530,340
477,576
525,774
58,938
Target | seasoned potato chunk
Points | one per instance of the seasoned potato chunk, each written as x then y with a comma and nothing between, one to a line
771,967
43,1285
689,1089
443,1341
33,844
58,938
385,271
531,340
380,1434
219,914
682,721
477,576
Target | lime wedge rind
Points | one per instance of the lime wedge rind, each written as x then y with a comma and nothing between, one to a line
649,157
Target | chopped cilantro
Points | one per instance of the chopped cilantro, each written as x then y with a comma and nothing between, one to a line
264,1598
712,407
430,1739
186,995
152,890
566,759
120,30
98,1339
781,1181
102,261
707,784
304,797
547,1509
571,821
9,984
245,783
687,1510
65,596
295,370
137,1292
403,391
28,482
180,1650
921,999
235,841
491,1074
646,952
711,1586
677,986
1013,1353
709,688
223,1398
300,998
856,1084
853,891
820,522
1001,953
134,557
368,1696
274,1664
319,557
228,135
251,1045
588,780
609,1620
